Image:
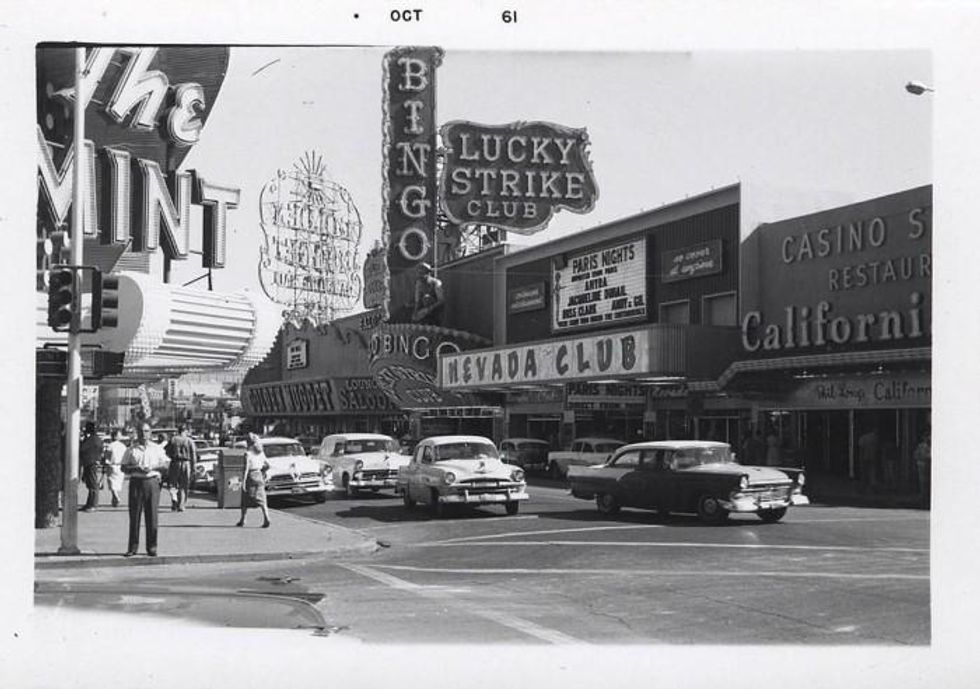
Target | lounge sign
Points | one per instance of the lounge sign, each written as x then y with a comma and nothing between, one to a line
603,286
580,358
527,298
517,175
691,262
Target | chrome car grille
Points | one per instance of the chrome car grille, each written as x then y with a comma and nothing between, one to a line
481,482
378,474
307,478
768,492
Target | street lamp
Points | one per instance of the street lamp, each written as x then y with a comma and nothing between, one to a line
917,88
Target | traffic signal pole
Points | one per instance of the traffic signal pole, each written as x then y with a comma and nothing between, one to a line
69,511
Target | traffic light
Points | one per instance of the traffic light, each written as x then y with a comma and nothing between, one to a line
62,303
105,300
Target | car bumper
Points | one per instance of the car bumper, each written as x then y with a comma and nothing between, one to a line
373,482
473,497
755,503
297,489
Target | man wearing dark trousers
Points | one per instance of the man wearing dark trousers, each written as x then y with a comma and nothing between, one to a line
183,457
143,462
89,456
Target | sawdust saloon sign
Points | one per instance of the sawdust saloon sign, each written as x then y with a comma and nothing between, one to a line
602,286
517,175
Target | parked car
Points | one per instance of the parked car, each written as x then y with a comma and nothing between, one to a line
583,452
361,461
692,476
460,469
206,466
291,473
527,453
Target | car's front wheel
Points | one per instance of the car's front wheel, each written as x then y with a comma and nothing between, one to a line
349,490
438,508
320,497
554,470
710,510
407,500
772,516
512,507
606,503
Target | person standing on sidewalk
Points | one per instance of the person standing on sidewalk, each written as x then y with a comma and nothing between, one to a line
112,458
183,458
923,467
143,461
89,458
256,464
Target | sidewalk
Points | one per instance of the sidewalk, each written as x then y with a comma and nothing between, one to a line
202,533
842,491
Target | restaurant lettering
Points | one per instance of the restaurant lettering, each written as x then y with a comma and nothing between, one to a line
603,286
517,175
575,359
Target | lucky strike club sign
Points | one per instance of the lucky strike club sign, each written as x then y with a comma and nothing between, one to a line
581,358
606,286
857,276
409,165
311,232
145,108
515,176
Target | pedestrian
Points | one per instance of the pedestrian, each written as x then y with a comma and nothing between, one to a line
754,449
256,465
89,458
112,458
923,466
868,451
773,450
143,462
183,460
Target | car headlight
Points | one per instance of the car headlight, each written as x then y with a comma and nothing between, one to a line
743,482
800,479
517,475
358,465
449,478
325,470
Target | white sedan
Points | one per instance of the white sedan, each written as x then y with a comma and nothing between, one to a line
361,461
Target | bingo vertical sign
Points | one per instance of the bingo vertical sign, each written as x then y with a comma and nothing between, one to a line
409,194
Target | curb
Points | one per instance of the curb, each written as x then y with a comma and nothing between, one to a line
88,562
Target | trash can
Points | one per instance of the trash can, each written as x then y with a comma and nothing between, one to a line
230,477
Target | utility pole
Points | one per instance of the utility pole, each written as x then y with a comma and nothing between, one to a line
69,511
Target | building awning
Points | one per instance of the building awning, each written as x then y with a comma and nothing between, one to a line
815,362
167,331
649,354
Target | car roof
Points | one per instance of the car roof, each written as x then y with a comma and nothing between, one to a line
276,440
446,439
359,436
594,439
675,444
525,440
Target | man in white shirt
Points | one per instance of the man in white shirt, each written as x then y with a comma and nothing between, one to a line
112,458
143,462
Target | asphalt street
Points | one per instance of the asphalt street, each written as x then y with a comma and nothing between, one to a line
559,573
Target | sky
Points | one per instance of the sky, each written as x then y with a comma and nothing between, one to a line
802,130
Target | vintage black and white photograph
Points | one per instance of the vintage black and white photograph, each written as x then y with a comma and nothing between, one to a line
409,346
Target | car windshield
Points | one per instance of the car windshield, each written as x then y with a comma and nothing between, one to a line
466,450
283,450
200,444
353,447
695,456
608,447
533,447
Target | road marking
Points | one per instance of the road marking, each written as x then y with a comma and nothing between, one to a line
656,572
462,539
447,522
666,544
515,623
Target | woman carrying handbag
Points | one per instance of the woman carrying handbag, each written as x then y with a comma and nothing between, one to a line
256,465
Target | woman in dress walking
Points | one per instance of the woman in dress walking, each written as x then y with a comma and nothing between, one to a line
256,465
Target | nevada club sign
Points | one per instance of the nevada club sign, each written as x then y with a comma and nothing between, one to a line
515,176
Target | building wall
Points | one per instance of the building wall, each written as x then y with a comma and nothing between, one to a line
468,287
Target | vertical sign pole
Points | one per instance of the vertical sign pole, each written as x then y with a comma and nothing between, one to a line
69,513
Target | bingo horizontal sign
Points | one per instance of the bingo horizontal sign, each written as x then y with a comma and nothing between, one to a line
516,175
527,298
604,286
691,262
577,358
